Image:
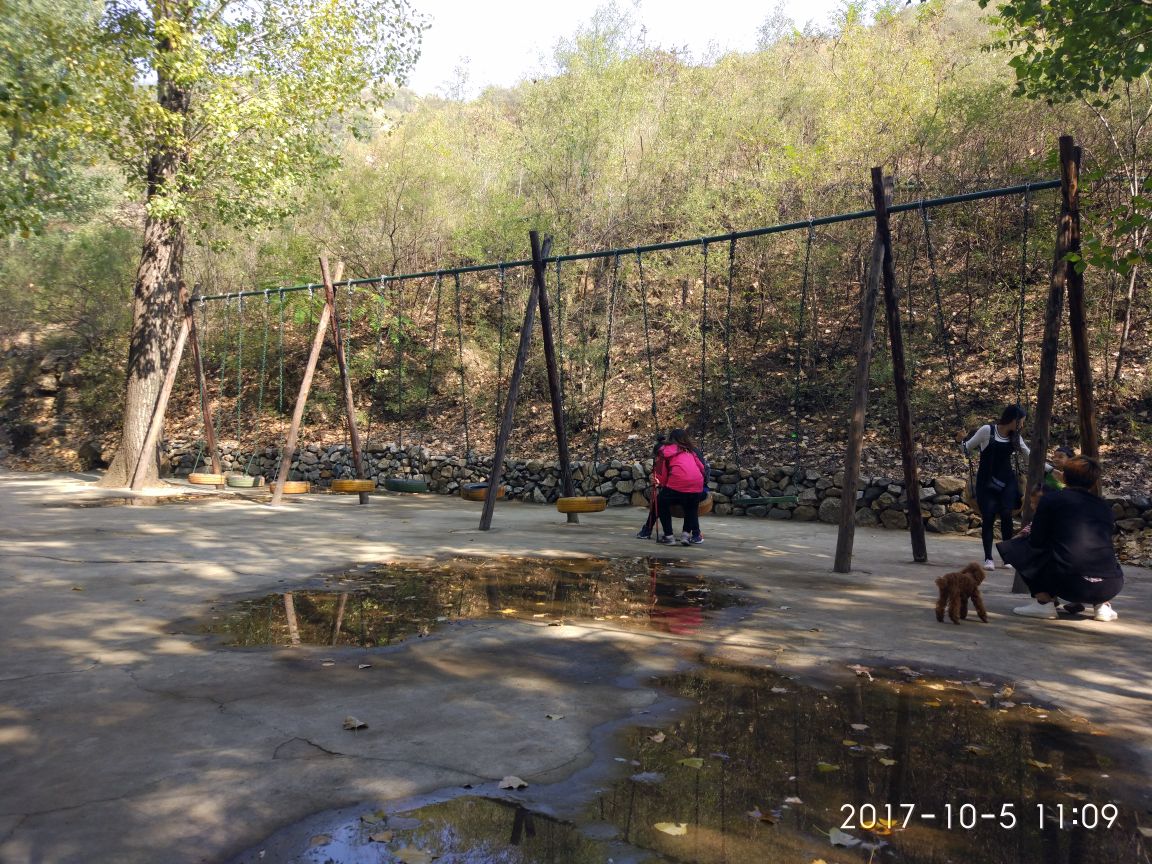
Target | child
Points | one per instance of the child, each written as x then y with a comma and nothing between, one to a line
681,475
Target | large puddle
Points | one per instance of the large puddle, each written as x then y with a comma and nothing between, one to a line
892,766
383,605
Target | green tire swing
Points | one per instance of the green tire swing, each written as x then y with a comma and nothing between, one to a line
406,484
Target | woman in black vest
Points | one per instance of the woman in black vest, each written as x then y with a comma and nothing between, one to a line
997,489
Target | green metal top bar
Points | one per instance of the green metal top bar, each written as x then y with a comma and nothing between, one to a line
1039,185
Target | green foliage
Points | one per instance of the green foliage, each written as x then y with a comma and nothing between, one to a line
1067,49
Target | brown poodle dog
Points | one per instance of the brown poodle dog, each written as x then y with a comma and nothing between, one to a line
956,588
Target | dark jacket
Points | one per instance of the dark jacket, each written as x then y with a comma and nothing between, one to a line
1076,527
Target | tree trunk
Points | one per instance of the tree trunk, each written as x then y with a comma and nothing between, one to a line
156,312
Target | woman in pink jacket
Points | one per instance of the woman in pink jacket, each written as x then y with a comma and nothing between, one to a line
680,475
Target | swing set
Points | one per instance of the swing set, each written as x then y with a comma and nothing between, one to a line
881,273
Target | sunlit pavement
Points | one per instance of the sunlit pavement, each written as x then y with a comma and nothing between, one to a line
122,740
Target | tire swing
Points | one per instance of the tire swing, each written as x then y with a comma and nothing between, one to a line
402,484
598,503
479,491
246,480
205,478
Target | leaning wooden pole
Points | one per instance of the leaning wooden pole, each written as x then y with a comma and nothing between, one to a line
900,375
345,379
514,384
554,391
156,424
871,291
301,401
205,402
1081,360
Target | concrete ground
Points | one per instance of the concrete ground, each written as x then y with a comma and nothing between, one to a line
121,741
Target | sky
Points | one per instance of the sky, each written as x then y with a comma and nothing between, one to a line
500,42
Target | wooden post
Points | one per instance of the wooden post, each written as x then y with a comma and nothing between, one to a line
205,403
558,418
157,422
342,361
899,375
514,383
1081,361
302,400
1049,348
847,533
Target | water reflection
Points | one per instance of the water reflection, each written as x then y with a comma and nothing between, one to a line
769,770
384,605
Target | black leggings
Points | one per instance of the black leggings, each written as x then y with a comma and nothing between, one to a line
690,501
988,525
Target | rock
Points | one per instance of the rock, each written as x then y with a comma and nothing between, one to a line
894,519
884,501
47,384
758,510
804,513
950,485
90,455
895,488
723,509
1130,525
619,500
953,523
927,492
639,499
538,496
830,510
937,510
549,481
808,496
625,486
866,518
777,513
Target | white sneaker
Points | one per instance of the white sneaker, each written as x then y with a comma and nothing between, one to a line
1104,612
685,539
1036,609
989,564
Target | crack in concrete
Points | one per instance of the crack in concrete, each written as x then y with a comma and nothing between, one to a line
12,831
92,561
47,674
310,743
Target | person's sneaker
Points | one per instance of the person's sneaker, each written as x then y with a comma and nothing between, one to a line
1073,608
685,539
1036,609
643,535
1104,612
667,539
696,539
989,564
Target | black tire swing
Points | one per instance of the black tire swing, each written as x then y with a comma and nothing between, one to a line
401,484
597,503
206,478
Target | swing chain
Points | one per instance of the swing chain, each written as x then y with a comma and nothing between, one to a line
647,335
704,344
800,332
730,408
439,286
502,284
941,326
460,354
613,288
1027,207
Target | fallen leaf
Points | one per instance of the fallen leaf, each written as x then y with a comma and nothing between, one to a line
887,763
327,662
364,666
848,742
513,782
352,724
861,671
382,836
369,818
412,855
507,611
1036,763
839,838
1145,832
819,861
692,762
320,840
77,588
793,800
658,738
880,748
935,703
781,690
757,816
976,750
676,829
825,767
859,727
649,778
882,827
553,716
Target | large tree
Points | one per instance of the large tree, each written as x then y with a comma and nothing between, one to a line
1099,52
220,111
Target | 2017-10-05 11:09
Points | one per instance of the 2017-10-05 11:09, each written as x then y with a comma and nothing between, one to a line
967,816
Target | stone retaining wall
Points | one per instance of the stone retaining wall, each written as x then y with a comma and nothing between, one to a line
881,501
